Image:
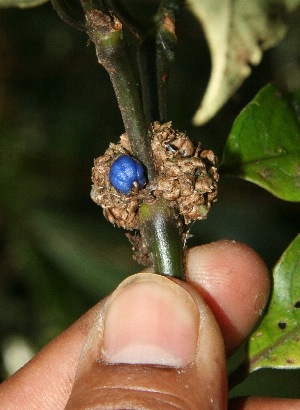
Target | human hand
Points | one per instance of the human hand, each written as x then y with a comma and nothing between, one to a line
155,342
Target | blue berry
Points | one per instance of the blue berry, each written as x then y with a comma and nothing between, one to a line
124,171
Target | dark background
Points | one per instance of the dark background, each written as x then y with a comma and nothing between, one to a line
58,255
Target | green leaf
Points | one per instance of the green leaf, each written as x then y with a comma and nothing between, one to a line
264,145
276,342
237,32
21,3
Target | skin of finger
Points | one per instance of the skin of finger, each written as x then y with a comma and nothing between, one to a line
235,283
201,384
45,381
49,376
264,403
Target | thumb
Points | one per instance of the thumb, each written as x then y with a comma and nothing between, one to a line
153,343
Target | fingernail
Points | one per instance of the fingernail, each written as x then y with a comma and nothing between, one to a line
150,320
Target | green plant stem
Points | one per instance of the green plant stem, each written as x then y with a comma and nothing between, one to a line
155,53
146,58
121,10
68,14
112,52
158,222
155,56
165,43
163,237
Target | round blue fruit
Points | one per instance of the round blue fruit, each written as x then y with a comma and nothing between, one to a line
124,171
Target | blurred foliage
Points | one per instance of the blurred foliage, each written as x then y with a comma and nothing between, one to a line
58,255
